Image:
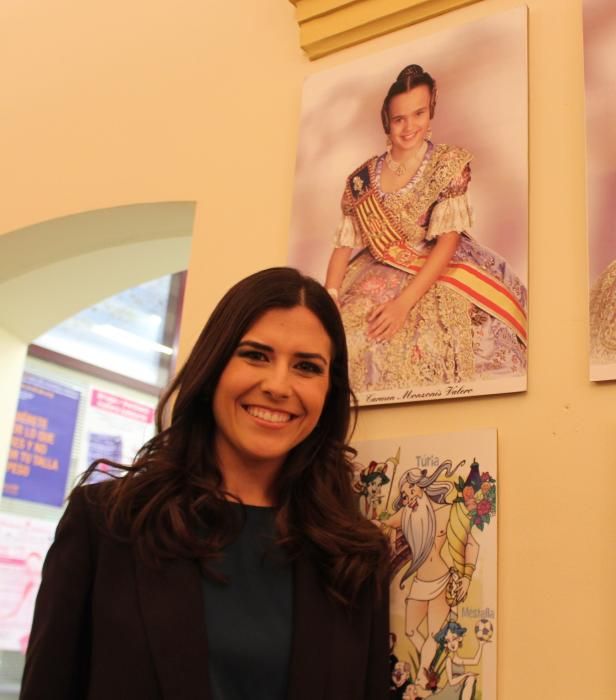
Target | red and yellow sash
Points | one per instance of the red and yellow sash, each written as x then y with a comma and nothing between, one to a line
390,246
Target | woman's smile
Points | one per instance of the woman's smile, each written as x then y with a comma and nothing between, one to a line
269,415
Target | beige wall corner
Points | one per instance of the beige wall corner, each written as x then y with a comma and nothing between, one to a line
245,179
330,25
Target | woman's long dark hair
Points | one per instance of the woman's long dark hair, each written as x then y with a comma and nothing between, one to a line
171,501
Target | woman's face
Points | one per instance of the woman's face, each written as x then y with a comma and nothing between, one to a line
271,393
409,120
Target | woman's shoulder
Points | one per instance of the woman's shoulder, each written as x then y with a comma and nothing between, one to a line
94,493
89,501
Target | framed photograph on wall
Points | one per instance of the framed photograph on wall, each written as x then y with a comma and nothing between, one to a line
600,77
411,205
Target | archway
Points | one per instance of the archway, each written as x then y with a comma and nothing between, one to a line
53,269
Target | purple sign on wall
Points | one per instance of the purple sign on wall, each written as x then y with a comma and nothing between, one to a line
43,432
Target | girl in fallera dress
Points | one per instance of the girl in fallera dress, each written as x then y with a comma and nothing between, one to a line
422,302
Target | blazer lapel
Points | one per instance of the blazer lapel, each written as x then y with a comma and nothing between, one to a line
171,599
313,617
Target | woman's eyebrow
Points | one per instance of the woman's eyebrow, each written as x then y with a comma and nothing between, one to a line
257,346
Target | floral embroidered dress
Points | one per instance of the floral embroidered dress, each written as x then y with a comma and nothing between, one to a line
603,317
471,323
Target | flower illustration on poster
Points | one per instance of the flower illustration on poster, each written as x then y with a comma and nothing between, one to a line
435,499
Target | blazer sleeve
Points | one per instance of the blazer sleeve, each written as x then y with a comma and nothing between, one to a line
58,654
377,677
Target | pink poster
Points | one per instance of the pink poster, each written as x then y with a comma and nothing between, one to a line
23,546
115,429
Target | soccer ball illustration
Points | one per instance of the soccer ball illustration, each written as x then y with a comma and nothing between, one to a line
484,630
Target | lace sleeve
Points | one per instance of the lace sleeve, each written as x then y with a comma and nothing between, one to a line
452,211
346,236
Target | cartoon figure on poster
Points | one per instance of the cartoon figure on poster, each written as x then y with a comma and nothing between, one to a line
423,302
430,517
369,486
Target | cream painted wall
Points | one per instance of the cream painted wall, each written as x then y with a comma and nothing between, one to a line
144,101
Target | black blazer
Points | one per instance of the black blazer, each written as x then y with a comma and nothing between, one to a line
108,627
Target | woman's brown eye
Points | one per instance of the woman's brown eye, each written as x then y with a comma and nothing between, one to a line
252,355
310,367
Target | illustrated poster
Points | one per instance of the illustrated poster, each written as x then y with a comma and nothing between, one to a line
600,76
434,497
441,254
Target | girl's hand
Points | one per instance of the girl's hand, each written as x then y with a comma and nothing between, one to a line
387,319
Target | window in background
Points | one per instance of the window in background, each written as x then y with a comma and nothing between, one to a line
131,335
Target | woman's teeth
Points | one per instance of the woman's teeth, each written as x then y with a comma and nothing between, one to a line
266,414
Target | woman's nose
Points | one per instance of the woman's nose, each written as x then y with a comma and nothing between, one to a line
276,382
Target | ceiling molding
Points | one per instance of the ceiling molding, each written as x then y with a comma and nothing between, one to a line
327,26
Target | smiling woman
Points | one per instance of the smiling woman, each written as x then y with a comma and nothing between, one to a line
230,561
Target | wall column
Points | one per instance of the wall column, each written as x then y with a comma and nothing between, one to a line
13,353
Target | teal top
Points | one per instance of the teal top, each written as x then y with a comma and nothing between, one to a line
249,618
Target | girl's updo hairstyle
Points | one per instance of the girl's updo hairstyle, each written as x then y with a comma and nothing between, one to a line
410,77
